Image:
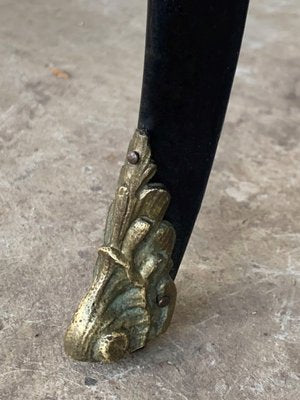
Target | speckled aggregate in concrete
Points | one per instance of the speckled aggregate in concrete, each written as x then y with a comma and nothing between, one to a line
236,329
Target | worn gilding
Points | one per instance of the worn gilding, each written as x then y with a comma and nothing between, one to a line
121,311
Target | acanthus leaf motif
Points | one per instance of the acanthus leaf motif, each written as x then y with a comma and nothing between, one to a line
120,313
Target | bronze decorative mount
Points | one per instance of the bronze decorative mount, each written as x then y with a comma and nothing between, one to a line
132,297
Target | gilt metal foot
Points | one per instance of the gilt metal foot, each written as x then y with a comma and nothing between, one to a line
132,297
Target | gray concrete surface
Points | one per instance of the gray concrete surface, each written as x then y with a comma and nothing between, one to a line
235,333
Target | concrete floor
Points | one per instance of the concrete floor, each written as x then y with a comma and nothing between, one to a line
236,330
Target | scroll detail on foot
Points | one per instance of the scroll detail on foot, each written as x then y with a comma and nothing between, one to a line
132,297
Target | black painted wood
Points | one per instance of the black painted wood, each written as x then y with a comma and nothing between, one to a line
192,48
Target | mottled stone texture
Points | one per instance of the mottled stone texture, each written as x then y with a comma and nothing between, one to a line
236,329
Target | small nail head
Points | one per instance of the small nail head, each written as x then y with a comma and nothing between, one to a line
133,157
163,301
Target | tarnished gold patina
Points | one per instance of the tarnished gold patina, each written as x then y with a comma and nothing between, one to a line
132,297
